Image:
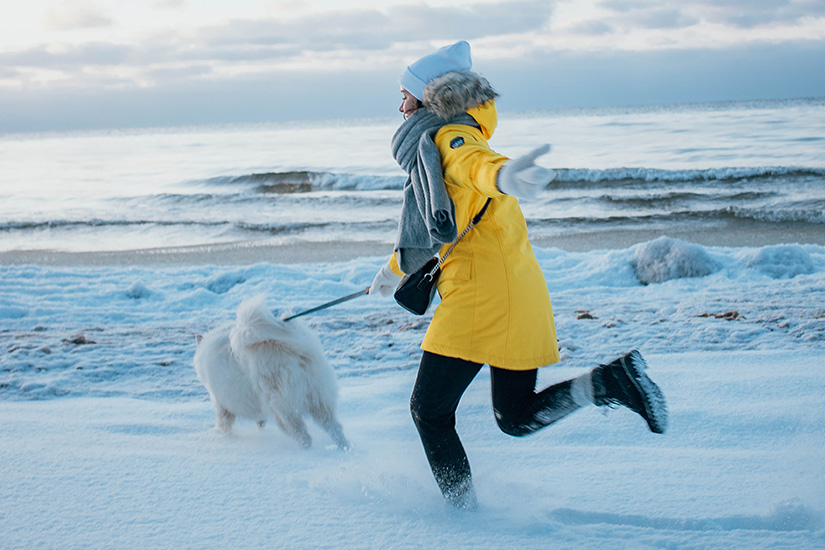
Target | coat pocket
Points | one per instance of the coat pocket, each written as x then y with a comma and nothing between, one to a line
457,267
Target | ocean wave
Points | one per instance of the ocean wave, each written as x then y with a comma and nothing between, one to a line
236,198
655,213
273,228
578,175
665,197
98,223
303,181
784,215
726,214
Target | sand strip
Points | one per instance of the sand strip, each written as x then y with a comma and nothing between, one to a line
751,234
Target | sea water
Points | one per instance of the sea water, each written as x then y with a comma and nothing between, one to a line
755,166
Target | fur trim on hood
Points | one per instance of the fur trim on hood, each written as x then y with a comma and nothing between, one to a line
453,93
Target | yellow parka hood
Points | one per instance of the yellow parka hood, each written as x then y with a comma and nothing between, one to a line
463,91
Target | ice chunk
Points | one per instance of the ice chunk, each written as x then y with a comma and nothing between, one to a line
781,261
666,258
138,291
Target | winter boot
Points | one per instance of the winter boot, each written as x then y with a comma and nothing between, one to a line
624,382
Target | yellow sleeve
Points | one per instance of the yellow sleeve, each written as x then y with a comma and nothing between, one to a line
467,160
394,265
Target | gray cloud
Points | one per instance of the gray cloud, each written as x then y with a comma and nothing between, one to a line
738,13
78,56
357,33
472,21
760,12
626,6
8,72
564,80
592,79
71,17
640,14
188,88
665,18
375,30
645,14
171,75
593,28
348,32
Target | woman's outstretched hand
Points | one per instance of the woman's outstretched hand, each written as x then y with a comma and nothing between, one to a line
521,178
385,282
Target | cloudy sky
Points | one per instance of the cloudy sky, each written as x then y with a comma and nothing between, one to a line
116,63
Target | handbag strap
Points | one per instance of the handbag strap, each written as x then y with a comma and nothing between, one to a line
473,222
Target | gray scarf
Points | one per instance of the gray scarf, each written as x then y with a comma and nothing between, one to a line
427,211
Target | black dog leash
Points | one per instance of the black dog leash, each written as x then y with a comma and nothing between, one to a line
330,304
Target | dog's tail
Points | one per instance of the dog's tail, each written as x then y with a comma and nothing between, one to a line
255,324
292,343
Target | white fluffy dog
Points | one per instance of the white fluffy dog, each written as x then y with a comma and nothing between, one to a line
260,367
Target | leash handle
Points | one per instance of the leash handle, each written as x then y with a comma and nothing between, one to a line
330,304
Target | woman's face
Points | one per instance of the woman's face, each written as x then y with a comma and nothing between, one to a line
409,104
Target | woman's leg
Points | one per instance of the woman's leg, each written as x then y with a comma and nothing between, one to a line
438,388
520,410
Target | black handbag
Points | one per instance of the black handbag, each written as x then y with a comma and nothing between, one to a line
415,291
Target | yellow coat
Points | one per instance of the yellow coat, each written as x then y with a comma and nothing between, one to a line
495,307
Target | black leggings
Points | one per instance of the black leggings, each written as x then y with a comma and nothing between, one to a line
519,410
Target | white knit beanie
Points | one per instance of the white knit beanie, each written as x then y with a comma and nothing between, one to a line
446,60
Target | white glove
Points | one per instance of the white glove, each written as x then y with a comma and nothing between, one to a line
521,178
385,281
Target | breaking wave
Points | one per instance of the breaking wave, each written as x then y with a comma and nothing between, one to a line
732,174
305,181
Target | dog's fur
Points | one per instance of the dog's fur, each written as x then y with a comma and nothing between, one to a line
260,367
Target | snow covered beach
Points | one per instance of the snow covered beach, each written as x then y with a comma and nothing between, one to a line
117,248
108,440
